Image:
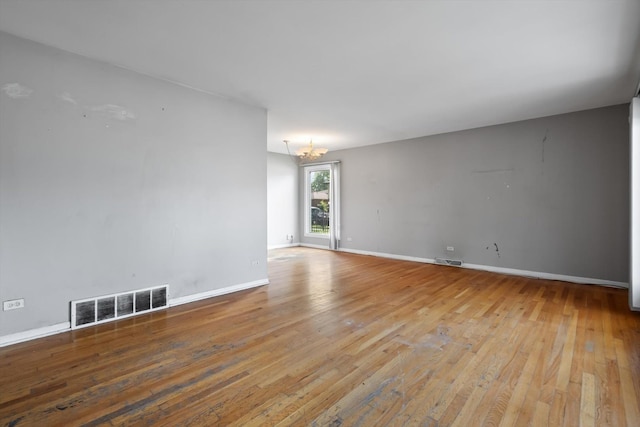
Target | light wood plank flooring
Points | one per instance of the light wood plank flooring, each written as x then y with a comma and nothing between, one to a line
342,339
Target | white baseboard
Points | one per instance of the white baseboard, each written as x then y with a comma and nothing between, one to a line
309,245
34,333
502,270
66,326
217,292
287,245
391,256
549,276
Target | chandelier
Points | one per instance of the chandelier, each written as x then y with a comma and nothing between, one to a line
308,153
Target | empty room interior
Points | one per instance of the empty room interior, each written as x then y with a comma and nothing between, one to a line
323,213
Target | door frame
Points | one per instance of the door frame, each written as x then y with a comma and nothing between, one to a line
334,199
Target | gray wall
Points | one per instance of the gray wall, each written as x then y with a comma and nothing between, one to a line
282,200
112,181
552,194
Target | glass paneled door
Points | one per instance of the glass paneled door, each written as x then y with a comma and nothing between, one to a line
321,202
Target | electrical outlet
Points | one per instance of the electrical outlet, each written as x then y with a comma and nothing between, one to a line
450,249
255,263
13,304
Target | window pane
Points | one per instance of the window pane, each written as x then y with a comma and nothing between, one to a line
319,203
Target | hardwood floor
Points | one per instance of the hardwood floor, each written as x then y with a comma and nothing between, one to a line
342,339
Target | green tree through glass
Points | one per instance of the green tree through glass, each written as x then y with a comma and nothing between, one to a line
320,181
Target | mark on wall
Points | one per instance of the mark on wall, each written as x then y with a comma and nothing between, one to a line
494,171
16,90
543,144
113,111
544,140
66,96
497,249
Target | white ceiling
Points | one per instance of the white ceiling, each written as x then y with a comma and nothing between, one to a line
352,73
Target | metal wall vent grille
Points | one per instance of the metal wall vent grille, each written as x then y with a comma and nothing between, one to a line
92,311
446,261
